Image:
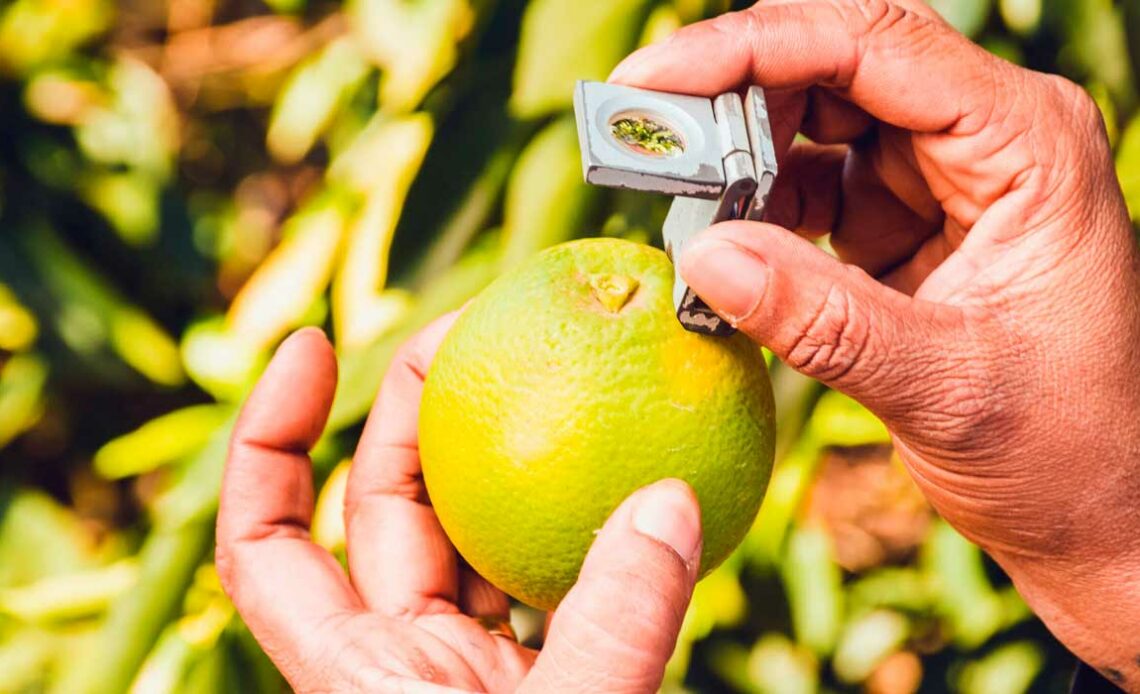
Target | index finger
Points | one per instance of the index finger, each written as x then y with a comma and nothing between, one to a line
287,589
901,65
400,559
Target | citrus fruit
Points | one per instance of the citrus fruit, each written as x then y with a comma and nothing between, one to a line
568,384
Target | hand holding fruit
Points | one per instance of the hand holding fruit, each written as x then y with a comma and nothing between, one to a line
414,618
987,306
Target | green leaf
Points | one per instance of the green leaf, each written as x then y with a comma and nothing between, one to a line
95,314
813,582
146,346
181,539
777,666
26,658
287,6
966,599
694,10
137,127
295,274
967,16
840,421
718,602
1096,44
866,642
22,381
362,369
1128,167
163,440
567,40
192,497
40,538
901,588
791,478
1009,669
306,105
662,21
414,43
166,565
547,201
69,596
1107,108
129,201
219,361
18,327
381,164
187,657
35,32
459,189
1021,16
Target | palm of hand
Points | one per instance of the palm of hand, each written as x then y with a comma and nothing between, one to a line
389,654
414,617
413,613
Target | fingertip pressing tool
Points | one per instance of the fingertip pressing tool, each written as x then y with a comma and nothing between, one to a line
715,156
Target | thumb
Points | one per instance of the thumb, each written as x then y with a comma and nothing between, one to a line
617,627
828,320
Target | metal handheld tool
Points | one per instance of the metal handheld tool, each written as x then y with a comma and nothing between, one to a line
714,155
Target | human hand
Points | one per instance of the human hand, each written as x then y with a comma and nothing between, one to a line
987,306
414,617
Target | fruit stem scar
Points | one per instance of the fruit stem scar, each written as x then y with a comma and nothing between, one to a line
613,291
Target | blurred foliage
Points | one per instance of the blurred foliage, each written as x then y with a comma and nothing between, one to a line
183,183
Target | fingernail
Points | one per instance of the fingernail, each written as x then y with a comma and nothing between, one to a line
730,279
666,512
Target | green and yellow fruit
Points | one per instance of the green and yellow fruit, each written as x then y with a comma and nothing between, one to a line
567,385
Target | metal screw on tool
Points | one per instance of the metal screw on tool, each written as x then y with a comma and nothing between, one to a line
715,156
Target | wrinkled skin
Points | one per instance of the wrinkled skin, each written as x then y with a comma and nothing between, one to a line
985,304
988,303
408,621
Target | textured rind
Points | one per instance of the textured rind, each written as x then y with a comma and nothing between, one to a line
543,410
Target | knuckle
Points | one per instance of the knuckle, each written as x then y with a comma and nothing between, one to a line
1072,95
1077,108
1070,153
233,574
871,23
829,346
872,16
409,357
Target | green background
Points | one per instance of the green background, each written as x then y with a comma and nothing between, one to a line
183,183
